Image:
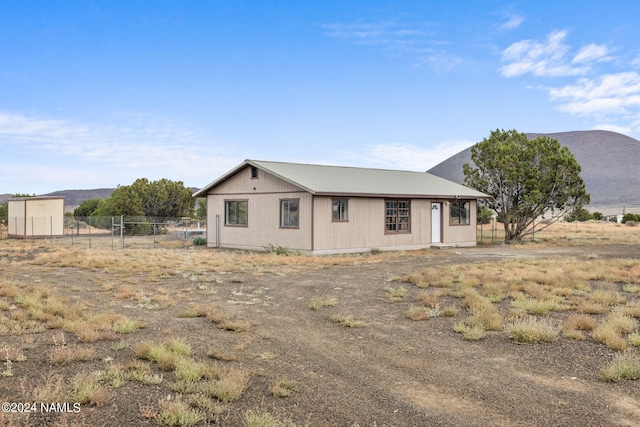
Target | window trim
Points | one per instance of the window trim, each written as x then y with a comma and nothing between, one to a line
226,218
397,217
289,227
451,217
340,200
254,172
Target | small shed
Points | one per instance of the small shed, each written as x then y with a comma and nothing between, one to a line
36,217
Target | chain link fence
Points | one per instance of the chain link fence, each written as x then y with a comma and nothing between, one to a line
112,232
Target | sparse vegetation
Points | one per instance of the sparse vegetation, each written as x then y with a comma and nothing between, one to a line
321,302
533,331
73,307
348,321
624,366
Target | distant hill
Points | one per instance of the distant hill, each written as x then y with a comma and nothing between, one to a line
74,198
609,162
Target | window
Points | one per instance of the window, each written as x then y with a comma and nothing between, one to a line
289,213
459,213
340,210
254,172
235,212
397,216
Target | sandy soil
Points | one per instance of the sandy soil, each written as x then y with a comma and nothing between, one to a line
392,372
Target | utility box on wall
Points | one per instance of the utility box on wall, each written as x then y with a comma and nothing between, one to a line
36,217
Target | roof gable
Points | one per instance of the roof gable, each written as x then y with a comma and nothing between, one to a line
343,180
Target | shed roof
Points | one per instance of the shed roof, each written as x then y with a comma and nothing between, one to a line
353,181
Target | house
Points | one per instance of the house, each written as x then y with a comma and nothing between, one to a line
35,217
321,209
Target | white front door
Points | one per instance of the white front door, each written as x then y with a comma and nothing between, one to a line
436,221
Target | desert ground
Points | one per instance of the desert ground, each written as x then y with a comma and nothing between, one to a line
545,332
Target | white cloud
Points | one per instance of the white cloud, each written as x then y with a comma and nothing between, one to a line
608,94
592,52
513,21
407,156
129,147
417,41
548,58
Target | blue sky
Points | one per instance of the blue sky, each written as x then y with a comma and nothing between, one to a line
96,94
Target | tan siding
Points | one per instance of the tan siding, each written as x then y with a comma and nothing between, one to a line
462,235
263,213
242,183
365,228
37,217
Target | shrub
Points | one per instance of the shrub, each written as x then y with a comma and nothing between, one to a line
623,366
579,214
633,218
326,301
199,241
283,387
348,321
533,331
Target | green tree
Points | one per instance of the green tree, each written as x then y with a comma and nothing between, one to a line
484,214
151,199
87,207
579,214
4,213
527,179
201,208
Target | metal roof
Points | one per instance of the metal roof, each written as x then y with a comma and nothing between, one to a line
353,181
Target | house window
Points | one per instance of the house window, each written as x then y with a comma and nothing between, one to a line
254,172
235,212
340,210
289,213
459,213
397,216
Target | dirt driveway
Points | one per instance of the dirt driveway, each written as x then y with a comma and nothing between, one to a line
391,372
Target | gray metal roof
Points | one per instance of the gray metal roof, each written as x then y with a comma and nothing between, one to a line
343,180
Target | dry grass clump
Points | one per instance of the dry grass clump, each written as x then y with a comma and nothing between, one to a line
428,299
98,327
87,389
321,302
348,321
135,370
176,412
283,387
470,332
227,385
223,322
195,311
539,306
417,313
395,294
61,355
533,330
50,390
612,329
576,323
624,366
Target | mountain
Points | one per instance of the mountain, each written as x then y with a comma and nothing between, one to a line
609,162
73,198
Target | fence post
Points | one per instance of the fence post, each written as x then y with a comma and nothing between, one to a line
186,234
121,231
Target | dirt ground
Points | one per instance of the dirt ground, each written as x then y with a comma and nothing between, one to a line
391,372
